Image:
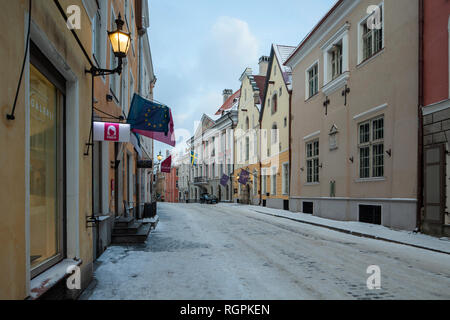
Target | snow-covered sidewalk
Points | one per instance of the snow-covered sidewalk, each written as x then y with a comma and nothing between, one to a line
409,238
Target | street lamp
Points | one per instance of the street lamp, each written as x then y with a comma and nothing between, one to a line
120,43
159,157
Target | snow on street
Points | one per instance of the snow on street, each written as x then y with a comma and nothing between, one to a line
229,252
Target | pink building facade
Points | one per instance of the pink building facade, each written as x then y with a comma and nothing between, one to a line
171,189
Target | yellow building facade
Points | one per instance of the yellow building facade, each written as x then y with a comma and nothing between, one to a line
275,128
46,178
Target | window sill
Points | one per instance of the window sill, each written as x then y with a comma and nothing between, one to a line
49,278
312,184
336,84
359,180
372,57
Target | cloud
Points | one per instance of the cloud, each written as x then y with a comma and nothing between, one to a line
233,41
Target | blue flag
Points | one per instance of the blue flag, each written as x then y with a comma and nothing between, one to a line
147,115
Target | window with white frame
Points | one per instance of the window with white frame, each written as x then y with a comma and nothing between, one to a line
372,37
285,178
371,34
312,161
273,178
313,80
336,60
371,148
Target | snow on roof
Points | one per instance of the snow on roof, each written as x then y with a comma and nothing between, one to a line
231,103
283,52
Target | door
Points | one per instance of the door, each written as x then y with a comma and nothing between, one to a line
435,177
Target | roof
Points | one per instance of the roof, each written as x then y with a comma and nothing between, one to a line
230,103
283,52
309,35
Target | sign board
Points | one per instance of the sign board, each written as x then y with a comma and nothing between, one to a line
113,132
145,164
224,180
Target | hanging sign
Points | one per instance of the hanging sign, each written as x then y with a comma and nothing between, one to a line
114,132
145,164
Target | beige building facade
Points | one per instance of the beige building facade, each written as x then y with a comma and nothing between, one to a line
354,115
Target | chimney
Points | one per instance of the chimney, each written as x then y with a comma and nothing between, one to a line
226,94
263,65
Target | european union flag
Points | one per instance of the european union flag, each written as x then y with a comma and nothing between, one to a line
147,115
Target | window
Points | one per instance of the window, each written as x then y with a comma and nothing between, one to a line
371,148
336,61
274,104
264,181
370,214
312,161
372,37
247,148
285,178
308,207
285,122
313,80
46,165
274,136
273,179
281,92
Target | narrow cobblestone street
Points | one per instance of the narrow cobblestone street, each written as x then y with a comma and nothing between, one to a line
227,252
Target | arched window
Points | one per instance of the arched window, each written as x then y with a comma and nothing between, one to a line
274,104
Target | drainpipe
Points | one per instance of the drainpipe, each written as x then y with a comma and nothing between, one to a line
420,131
260,165
290,153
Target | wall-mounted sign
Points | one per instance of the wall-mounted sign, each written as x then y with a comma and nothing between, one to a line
145,164
114,132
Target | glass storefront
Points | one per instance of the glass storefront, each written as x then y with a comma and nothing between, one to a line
45,204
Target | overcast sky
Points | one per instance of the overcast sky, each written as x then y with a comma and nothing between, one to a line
200,47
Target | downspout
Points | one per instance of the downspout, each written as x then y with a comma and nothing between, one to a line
289,141
260,165
232,172
420,115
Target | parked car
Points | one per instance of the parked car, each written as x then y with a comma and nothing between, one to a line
208,198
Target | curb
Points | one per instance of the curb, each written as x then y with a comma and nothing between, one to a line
354,233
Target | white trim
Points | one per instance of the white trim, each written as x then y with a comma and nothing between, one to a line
335,84
435,107
329,24
336,37
370,112
363,180
311,136
285,192
307,96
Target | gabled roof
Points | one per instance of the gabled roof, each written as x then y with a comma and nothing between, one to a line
231,102
205,123
281,52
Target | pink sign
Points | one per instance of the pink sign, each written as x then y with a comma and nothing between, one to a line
111,132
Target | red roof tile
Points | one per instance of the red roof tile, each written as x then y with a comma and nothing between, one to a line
229,103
